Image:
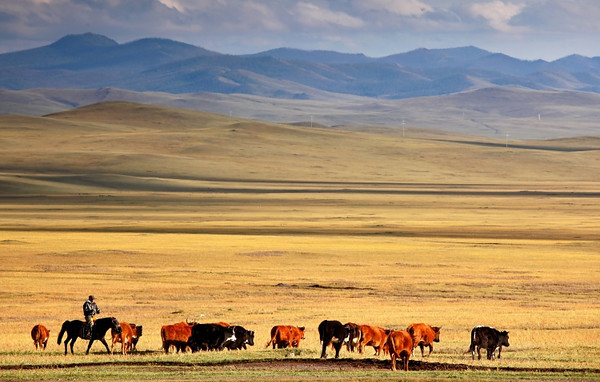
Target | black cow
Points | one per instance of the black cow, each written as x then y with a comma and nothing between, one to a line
488,338
242,337
210,337
334,333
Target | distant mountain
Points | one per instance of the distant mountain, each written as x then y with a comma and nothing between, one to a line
320,56
91,61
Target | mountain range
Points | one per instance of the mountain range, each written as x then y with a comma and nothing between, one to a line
91,61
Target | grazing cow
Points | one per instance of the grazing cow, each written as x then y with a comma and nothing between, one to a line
137,333
372,336
210,337
424,335
400,345
243,337
40,335
353,336
286,336
176,335
125,338
488,338
334,333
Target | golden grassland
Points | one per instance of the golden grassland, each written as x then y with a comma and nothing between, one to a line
168,215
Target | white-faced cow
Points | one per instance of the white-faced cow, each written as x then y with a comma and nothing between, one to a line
488,338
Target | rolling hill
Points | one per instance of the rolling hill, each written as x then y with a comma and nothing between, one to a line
128,147
490,112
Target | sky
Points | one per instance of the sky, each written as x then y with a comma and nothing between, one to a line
525,29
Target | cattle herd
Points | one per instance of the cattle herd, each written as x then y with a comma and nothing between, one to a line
192,336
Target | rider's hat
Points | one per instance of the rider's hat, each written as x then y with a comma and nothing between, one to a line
92,297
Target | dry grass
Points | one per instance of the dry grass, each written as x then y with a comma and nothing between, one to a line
357,237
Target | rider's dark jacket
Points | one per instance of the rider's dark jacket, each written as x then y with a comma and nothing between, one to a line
90,308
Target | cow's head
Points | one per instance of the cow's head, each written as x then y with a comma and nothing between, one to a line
301,328
503,338
250,337
436,333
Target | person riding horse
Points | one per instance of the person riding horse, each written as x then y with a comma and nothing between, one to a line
90,309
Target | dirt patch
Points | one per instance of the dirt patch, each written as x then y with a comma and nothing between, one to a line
307,365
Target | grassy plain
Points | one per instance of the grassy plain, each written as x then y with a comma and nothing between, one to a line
167,215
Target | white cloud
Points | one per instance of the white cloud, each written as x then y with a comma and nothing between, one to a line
398,7
311,15
497,13
176,4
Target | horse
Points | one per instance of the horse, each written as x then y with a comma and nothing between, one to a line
74,329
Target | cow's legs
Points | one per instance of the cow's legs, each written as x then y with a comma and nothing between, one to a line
430,350
478,352
393,361
324,350
422,350
337,347
499,351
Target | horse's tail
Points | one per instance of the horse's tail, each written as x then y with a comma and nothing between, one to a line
62,331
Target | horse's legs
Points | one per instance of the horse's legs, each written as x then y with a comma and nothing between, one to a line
105,345
89,346
72,340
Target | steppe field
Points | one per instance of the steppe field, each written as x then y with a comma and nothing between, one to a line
168,215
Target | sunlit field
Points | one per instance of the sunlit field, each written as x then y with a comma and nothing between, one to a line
518,253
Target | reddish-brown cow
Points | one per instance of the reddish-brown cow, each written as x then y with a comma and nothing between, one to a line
372,336
125,338
137,333
400,345
424,335
176,335
40,335
286,336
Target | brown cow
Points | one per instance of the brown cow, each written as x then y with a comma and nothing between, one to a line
400,344
372,336
353,336
125,338
286,336
176,335
137,333
424,335
40,335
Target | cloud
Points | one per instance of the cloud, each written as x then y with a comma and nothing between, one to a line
311,15
176,4
498,14
398,7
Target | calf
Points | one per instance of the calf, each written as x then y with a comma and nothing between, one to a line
210,337
424,335
334,333
400,345
40,335
284,336
125,338
488,338
372,336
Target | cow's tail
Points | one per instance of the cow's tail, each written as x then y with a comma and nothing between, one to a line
472,346
321,332
63,329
